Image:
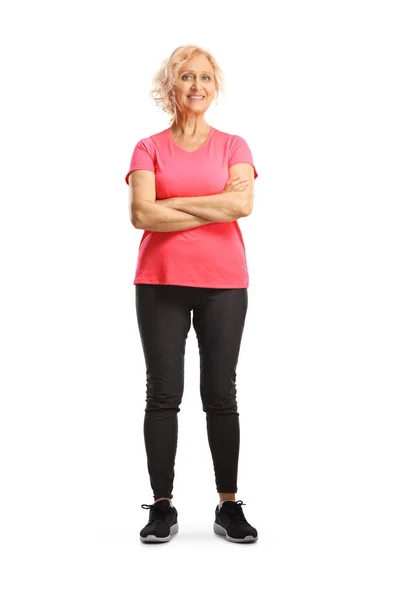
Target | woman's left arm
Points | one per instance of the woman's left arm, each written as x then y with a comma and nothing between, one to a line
219,208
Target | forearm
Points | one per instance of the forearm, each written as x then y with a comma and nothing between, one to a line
217,208
155,217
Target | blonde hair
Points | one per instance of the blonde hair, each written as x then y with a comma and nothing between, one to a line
163,81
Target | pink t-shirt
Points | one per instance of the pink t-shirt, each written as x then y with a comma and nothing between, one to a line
211,255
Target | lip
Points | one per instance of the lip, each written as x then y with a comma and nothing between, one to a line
201,97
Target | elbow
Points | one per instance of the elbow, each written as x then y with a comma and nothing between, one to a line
136,215
249,204
133,216
136,221
143,215
248,211
246,205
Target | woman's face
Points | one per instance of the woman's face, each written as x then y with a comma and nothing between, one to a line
196,78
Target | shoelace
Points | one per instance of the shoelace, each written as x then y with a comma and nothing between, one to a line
158,513
235,511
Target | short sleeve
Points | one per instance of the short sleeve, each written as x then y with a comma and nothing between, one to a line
142,158
241,153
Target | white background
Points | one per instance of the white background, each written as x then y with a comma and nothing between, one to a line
313,87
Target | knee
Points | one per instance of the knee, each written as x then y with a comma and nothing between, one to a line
219,404
163,404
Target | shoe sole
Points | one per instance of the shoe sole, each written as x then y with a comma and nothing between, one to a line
218,529
154,539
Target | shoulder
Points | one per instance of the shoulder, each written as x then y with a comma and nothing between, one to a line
231,139
150,142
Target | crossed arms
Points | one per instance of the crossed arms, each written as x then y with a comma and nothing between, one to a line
175,214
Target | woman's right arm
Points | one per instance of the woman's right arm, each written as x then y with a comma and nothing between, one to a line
146,214
164,218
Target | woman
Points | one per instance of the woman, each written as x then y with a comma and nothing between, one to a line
189,184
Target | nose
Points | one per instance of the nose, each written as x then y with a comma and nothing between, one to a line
195,85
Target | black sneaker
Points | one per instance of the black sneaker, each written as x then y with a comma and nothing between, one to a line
163,522
231,522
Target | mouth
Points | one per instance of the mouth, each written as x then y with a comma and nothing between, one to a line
196,97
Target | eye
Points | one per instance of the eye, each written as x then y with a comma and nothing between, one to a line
188,75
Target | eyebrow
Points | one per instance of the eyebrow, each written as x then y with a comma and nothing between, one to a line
191,71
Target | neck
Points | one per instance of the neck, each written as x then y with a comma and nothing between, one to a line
190,126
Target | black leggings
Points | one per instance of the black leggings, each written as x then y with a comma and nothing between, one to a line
164,319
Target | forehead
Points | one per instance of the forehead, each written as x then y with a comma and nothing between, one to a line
198,63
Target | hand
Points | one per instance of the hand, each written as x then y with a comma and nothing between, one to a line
237,184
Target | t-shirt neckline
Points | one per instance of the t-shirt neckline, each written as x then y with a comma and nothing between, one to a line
197,149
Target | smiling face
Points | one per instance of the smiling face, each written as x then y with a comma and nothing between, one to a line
195,85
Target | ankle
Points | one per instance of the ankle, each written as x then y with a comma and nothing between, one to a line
226,496
170,500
